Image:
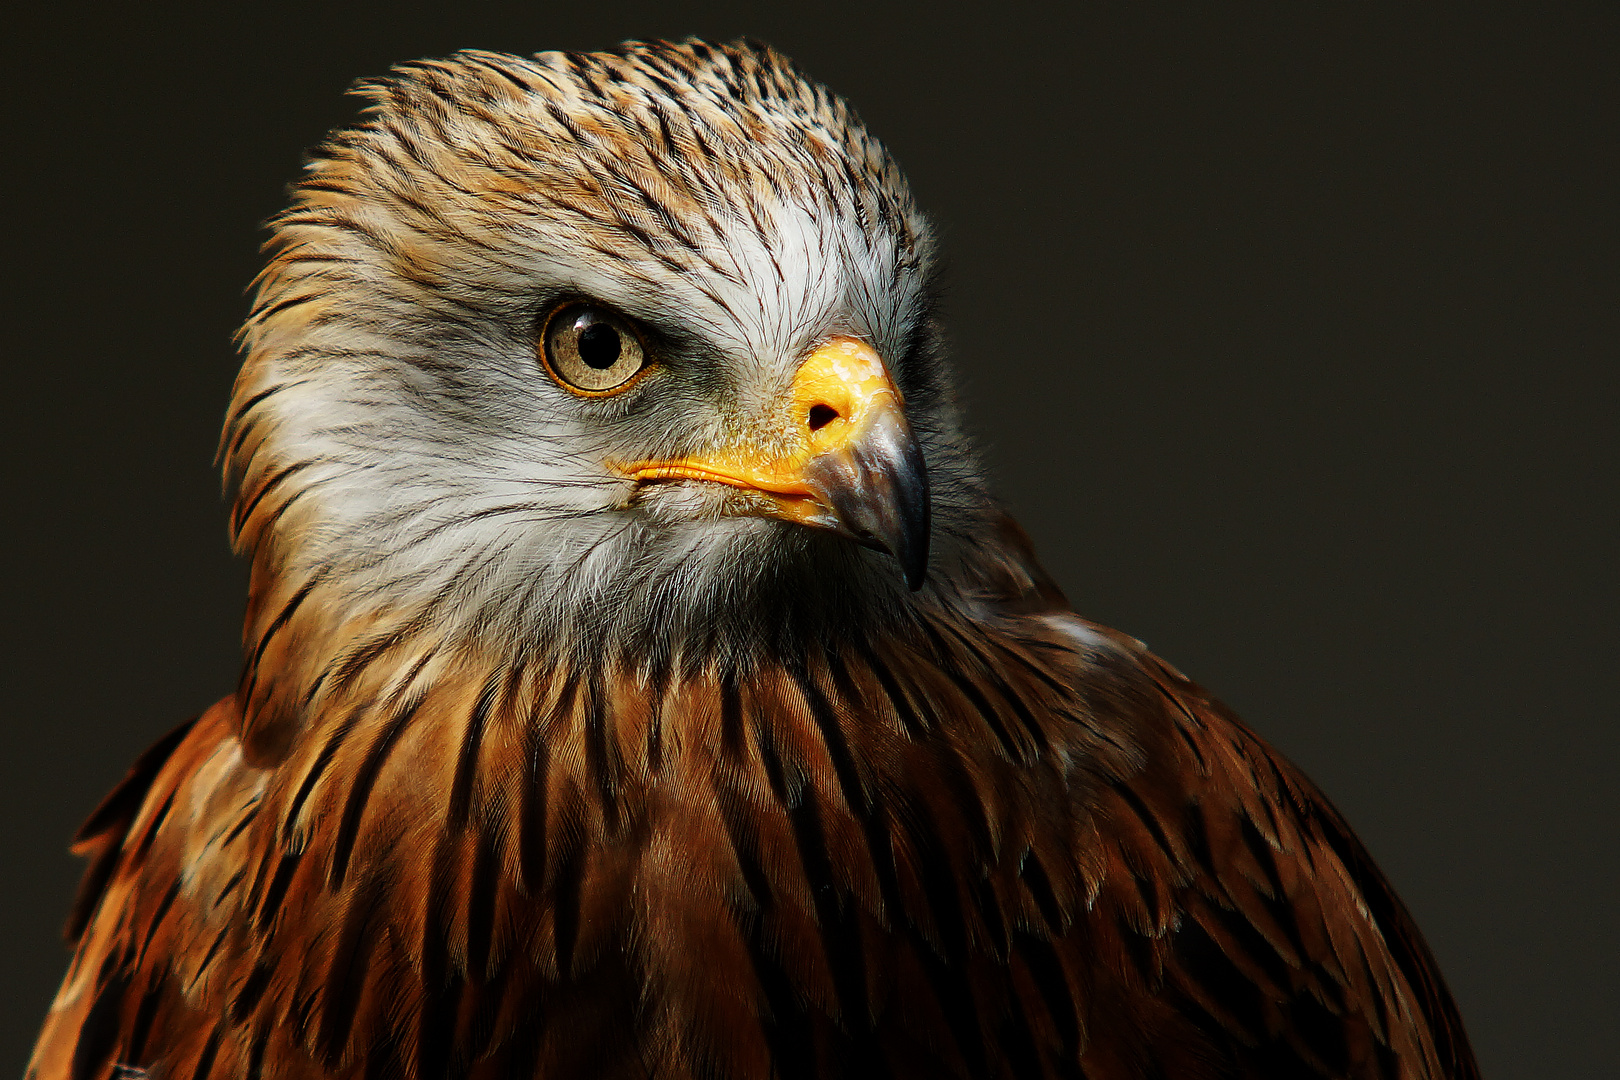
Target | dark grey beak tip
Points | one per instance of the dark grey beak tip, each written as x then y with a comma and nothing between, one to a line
915,571
907,545
911,540
913,501
891,511
879,492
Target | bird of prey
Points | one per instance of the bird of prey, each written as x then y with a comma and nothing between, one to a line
640,681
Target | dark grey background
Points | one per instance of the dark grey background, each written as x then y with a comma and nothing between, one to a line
1289,333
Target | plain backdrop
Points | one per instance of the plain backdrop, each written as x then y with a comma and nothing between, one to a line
1289,333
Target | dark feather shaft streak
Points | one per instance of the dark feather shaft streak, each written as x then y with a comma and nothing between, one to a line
827,896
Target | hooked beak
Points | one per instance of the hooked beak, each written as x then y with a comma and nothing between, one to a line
852,464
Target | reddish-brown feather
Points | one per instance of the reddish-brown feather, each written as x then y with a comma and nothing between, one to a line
988,849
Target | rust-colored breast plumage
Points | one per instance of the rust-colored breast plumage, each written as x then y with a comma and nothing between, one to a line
1018,846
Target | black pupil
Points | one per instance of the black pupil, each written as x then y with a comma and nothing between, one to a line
599,346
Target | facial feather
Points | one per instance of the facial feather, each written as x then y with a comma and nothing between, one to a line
392,432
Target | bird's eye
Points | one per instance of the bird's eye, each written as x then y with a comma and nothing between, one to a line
590,349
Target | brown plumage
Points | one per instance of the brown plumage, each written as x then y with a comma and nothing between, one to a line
582,730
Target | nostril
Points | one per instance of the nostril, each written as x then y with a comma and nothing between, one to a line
821,416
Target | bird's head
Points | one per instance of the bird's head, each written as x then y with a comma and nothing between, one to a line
634,341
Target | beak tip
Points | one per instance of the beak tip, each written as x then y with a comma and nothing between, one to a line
887,508
915,574
909,550
907,538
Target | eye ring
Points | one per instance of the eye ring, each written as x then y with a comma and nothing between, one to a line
591,350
